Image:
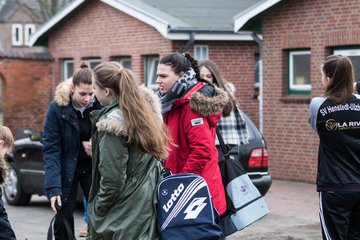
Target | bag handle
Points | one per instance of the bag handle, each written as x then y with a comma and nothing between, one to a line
67,227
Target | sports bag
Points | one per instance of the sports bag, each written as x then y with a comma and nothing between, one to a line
185,209
245,204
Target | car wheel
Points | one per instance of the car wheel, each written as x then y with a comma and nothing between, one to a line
13,192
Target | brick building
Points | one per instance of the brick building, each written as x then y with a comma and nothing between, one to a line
24,71
296,36
136,33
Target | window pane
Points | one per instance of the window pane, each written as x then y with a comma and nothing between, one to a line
125,61
151,63
201,52
93,62
354,55
29,29
299,71
17,34
257,71
67,69
356,64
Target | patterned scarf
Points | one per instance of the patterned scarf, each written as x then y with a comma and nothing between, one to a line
181,86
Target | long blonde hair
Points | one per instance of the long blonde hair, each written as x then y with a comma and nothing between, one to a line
143,125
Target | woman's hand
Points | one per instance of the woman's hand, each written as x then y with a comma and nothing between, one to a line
55,203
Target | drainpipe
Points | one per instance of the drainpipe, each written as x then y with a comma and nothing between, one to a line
189,43
260,97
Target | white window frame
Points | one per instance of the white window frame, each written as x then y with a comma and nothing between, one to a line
17,34
65,68
292,86
28,30
150,63
348,52
201,52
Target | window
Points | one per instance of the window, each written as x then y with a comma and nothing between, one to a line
151,63
93,62
29,29
67,69
125,61
299,72
201,52
17,34
257,72
354,55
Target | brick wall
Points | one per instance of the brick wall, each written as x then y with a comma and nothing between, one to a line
26,92
317,25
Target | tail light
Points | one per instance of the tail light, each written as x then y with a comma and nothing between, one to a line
258,158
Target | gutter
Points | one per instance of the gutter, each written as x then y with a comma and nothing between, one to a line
258,40
189,43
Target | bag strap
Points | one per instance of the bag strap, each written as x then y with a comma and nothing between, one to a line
224,148
195,88
67,227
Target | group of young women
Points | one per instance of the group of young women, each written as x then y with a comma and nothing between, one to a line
103,125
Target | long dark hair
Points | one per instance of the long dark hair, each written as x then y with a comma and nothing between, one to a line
219,81
339,70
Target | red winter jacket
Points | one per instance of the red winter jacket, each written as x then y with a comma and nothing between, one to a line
192,126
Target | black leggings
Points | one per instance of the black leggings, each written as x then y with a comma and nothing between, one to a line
68,205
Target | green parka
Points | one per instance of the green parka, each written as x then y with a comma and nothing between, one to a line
122,197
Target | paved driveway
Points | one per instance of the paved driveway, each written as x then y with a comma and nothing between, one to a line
293,216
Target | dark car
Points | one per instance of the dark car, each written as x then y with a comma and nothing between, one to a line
27,168
254,157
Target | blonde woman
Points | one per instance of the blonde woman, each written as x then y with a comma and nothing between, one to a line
128,141
6,144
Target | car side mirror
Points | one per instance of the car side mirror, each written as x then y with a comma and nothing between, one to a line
36,136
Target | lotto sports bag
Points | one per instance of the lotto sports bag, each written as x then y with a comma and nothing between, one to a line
185,209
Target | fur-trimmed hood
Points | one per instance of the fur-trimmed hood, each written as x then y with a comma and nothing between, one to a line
62,93
113,121
209,105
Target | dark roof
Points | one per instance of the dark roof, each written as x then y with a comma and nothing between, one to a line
174,19
204,15
7,8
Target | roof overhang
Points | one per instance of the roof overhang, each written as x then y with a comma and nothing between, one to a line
243,17
161,25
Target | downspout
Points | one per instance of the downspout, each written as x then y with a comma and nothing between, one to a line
189,43
260,97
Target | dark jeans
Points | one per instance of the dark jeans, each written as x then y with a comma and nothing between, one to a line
68,205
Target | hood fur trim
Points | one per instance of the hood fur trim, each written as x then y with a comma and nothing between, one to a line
207,106
62,93
3,170
114,122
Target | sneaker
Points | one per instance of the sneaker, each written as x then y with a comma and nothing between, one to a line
84,232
